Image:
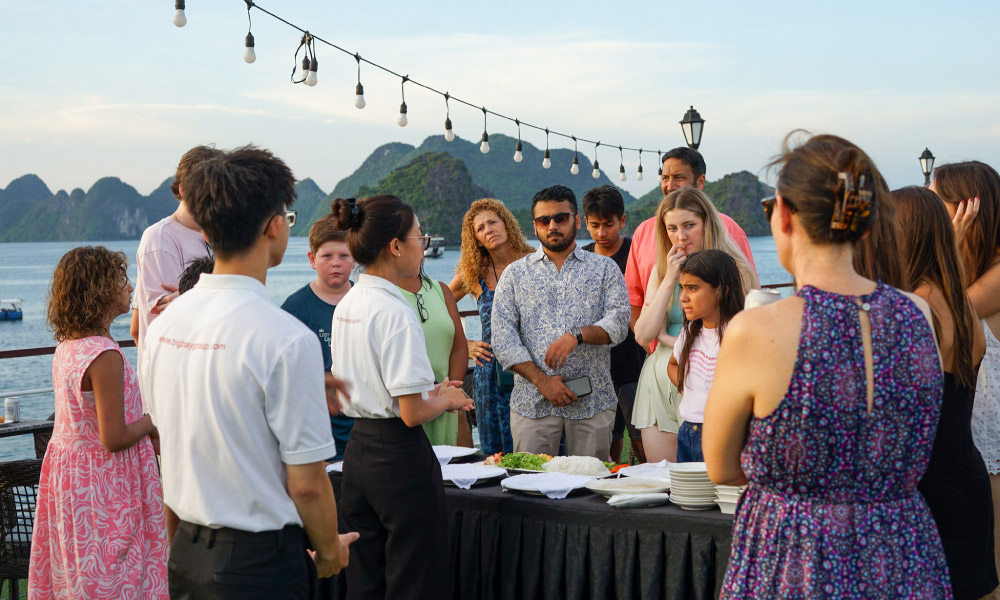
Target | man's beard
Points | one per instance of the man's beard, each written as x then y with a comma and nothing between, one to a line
559,246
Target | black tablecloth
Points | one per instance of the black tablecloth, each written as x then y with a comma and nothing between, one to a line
509,545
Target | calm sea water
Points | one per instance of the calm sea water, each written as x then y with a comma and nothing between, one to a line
26,271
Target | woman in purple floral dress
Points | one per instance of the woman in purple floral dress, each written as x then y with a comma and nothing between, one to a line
827,403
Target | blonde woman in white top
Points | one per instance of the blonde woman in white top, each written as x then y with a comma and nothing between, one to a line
392,493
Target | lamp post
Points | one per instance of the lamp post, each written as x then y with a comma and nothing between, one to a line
927,165
692,125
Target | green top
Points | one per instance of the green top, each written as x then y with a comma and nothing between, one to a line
675,316
439,335
439,329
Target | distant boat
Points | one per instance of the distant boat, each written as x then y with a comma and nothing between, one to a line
10,310
436,249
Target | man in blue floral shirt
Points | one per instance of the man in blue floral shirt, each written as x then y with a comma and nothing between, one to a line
556,315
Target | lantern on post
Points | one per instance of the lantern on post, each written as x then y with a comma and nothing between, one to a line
692,125
927,165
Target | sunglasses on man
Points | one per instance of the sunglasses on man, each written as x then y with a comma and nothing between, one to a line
559,218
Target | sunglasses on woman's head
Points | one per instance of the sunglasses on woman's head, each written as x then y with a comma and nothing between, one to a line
559,218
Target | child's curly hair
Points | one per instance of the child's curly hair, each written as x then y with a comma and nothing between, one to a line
86,288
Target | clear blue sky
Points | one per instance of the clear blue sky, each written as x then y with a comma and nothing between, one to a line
112,87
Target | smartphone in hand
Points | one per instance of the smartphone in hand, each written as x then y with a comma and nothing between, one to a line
579,386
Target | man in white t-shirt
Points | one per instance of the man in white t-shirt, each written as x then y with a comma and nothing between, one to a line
165,250
235,387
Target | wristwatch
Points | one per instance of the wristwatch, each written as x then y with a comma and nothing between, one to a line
578,333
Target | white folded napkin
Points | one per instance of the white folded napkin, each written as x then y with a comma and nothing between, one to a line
558,485
337,467
636,500
465,475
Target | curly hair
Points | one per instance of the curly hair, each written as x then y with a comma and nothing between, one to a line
474,258
86,286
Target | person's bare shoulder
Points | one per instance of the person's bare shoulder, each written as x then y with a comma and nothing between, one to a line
922,305
757,331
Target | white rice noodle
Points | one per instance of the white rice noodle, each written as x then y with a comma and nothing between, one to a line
577,465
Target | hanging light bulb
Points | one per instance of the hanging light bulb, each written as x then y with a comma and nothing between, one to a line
449,135
546,163
575,169
180,19
659,157
311,78
402,120
518,156
359,96
485,146
305,70
596,173
359,90
638,176
621,173
249,55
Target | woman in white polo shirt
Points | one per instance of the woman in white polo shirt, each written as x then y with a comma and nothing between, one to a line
392,493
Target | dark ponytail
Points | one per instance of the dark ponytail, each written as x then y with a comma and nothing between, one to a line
372,224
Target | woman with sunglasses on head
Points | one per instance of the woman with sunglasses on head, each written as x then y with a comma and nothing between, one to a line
971,194
956,485
437,312
491,240
686,222
391,494
827,403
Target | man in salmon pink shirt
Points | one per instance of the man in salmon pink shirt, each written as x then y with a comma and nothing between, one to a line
681,167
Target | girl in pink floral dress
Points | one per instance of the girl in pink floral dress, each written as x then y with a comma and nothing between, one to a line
99,526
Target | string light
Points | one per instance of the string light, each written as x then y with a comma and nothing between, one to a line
485,146
621,167
359,90
518,157
249,55
575,169
659,158
311,79
180,19
306,62
546,163
402,120
449,135
309,76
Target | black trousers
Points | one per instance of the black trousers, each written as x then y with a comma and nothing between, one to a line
210,564
393,496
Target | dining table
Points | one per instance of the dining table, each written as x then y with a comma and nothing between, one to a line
509,545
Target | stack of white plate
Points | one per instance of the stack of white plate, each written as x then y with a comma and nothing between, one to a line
690,487
727,496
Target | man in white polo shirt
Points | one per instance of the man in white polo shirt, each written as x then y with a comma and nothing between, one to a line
234,385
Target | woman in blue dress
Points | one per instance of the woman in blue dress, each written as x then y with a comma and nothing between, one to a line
491,240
